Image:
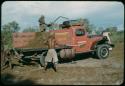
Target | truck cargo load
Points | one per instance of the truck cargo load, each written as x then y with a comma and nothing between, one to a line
30,39
38,39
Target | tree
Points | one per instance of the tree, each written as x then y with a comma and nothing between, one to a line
86,24
99,30
112,29
31,29
14,26
89,27
92,28
11,27
6,33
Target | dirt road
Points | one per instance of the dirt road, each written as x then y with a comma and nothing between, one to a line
84,71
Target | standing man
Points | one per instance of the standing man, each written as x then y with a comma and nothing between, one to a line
42,24
51,59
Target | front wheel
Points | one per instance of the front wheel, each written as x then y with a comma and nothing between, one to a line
102,51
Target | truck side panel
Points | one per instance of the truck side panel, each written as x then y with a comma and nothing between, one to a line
30,40
63,37
38,39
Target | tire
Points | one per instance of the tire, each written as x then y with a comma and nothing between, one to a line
42,59
102,51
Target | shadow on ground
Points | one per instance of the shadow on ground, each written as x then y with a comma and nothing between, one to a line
81,56
9,79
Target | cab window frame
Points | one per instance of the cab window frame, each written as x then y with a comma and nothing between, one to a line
79,32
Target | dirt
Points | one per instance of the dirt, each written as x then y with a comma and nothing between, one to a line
39,40
84,71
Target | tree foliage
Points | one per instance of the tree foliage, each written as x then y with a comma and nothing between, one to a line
31,29
89,27
6,33
116,36
112,29
99,30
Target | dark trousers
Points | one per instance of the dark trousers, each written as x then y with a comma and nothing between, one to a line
50,65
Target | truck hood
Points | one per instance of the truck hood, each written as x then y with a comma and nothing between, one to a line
96,37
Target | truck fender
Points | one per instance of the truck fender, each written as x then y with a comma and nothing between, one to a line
102,41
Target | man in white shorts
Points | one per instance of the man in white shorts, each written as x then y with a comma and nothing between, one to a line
51,58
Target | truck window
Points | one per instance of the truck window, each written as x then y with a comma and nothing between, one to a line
80,32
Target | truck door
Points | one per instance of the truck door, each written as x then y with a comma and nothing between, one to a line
80,40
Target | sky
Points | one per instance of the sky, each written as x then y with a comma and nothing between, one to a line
99,13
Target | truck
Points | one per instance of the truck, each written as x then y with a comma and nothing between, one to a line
73,37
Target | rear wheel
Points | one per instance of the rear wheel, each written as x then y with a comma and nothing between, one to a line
42,59
102,51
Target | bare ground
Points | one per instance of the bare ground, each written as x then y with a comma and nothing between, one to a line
85,71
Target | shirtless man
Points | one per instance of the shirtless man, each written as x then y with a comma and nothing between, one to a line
42,24
51,58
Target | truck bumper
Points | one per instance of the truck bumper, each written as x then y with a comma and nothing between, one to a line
110,48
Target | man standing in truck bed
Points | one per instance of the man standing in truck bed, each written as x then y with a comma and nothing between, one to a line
42,23
51,58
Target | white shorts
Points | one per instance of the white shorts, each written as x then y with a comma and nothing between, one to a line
51,54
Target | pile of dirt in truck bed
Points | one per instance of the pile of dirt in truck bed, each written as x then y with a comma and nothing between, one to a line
40,40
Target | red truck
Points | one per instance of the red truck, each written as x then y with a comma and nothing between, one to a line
74,38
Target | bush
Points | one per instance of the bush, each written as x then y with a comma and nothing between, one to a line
117,37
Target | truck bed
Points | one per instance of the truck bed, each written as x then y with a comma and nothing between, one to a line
37,40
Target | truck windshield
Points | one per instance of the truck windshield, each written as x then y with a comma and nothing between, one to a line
80,32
